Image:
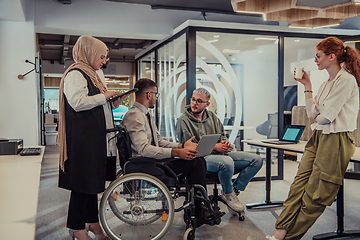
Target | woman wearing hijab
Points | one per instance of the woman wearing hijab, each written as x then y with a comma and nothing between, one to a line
328,151
84,116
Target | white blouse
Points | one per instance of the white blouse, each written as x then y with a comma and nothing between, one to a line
338,102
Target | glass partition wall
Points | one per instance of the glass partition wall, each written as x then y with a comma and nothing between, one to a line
171,82
245,71
232,67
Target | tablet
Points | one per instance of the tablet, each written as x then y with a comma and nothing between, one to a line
207,144
113,98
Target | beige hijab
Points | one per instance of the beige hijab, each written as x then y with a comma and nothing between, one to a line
86,52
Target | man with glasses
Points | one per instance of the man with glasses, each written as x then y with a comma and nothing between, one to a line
197,121
147,142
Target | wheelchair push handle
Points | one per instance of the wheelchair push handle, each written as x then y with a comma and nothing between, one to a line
115,129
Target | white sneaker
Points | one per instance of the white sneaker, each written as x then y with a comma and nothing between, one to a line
232,212
232,201
271,238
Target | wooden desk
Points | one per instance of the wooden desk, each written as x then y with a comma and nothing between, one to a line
19,187
299,148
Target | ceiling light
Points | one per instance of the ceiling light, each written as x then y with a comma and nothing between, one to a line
331,25
266,38
216,36
257,13
298,27
230,51
355,41
214,40
297,40
233,59
203,58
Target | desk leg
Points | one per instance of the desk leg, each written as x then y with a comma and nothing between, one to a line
268,202
339,233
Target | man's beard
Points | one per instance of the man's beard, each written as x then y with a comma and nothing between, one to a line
196,112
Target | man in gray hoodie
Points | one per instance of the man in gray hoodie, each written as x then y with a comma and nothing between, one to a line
196,121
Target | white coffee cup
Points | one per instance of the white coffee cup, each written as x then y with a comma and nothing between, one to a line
298,73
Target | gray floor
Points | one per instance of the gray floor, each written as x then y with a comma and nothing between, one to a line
53,202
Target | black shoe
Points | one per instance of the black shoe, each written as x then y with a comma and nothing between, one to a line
206,217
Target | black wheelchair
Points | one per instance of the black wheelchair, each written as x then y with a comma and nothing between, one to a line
141,206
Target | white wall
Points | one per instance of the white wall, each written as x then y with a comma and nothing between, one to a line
260,87
18,98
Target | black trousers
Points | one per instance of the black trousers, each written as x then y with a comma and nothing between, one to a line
194,170
110,168
83,208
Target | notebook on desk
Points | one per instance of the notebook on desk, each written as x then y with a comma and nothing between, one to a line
290,135
207,144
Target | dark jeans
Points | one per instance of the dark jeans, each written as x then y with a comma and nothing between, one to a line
83,208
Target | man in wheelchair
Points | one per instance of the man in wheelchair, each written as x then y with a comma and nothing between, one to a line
147,143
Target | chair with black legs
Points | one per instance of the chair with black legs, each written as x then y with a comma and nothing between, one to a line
212,178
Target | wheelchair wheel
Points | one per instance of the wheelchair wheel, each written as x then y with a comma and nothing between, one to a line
136,206
189,234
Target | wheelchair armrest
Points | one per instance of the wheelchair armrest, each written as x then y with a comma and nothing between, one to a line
167,170
146,159
152,166
157,162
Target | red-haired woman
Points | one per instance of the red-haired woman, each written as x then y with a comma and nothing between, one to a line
328,151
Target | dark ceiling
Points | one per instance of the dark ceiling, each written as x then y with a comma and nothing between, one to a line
215,6
58,48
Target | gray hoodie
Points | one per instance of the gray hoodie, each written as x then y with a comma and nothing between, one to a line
188,126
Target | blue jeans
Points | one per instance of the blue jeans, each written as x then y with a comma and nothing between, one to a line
248,163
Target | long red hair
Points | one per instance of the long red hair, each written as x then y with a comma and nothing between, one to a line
347,55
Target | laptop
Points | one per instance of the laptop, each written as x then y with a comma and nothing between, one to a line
290,135
207,144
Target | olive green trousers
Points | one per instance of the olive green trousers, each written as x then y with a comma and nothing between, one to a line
317,181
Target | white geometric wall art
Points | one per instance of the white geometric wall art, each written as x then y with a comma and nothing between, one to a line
221,95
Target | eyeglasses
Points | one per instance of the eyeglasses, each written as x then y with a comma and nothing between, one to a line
317,57
156,94
104,59
198,101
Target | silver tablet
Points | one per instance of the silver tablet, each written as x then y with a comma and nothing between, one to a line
207,144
